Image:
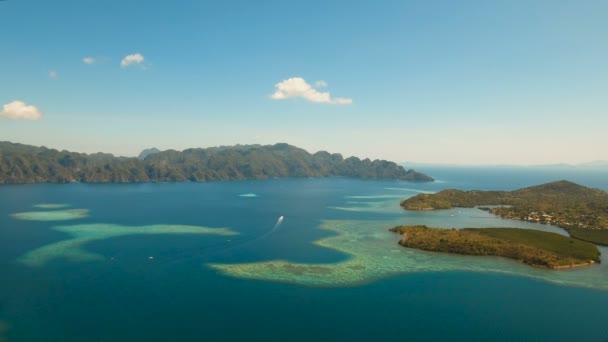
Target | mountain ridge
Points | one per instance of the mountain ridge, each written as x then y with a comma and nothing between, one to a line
21,163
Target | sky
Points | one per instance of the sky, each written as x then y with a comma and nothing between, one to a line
456,82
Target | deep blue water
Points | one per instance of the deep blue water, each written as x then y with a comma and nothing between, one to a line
176,297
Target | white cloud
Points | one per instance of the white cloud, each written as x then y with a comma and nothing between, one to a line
18,110
136,58
53,74
298,87
321,84
88,60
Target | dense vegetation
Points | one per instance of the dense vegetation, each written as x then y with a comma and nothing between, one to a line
29,164
599,236
533,247
582,211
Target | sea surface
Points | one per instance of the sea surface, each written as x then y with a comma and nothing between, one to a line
213,261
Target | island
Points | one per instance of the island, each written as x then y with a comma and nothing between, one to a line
21,163
581,211
532,247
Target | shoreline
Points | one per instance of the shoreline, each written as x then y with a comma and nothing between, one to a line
573,266
261,179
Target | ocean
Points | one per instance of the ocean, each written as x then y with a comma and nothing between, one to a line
212,261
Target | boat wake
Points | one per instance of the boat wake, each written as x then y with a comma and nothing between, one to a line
278,224
223,247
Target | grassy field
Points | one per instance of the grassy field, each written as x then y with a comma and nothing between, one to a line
552,242
536,248
599,236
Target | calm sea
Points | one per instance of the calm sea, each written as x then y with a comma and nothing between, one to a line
149,287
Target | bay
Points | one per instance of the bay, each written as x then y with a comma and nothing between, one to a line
159,287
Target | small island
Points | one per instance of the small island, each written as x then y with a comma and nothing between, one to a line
532,247
581,211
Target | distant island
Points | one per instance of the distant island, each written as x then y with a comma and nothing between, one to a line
145,153
30,164
581,211
532,247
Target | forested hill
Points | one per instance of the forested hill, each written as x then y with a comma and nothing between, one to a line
30,164
582,211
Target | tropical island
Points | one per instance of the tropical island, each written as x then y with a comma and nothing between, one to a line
581,211
532,247
31,164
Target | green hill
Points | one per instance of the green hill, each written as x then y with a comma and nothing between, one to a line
29,164
582,211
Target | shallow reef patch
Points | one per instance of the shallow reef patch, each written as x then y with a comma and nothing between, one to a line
249,195
371,206
54,215
375,254
51,205
73,248
382,196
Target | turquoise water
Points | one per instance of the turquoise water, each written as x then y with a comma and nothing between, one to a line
209,261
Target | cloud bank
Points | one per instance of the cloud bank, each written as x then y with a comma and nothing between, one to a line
297,87
18,110
136,58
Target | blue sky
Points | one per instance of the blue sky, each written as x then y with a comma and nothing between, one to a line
481,82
